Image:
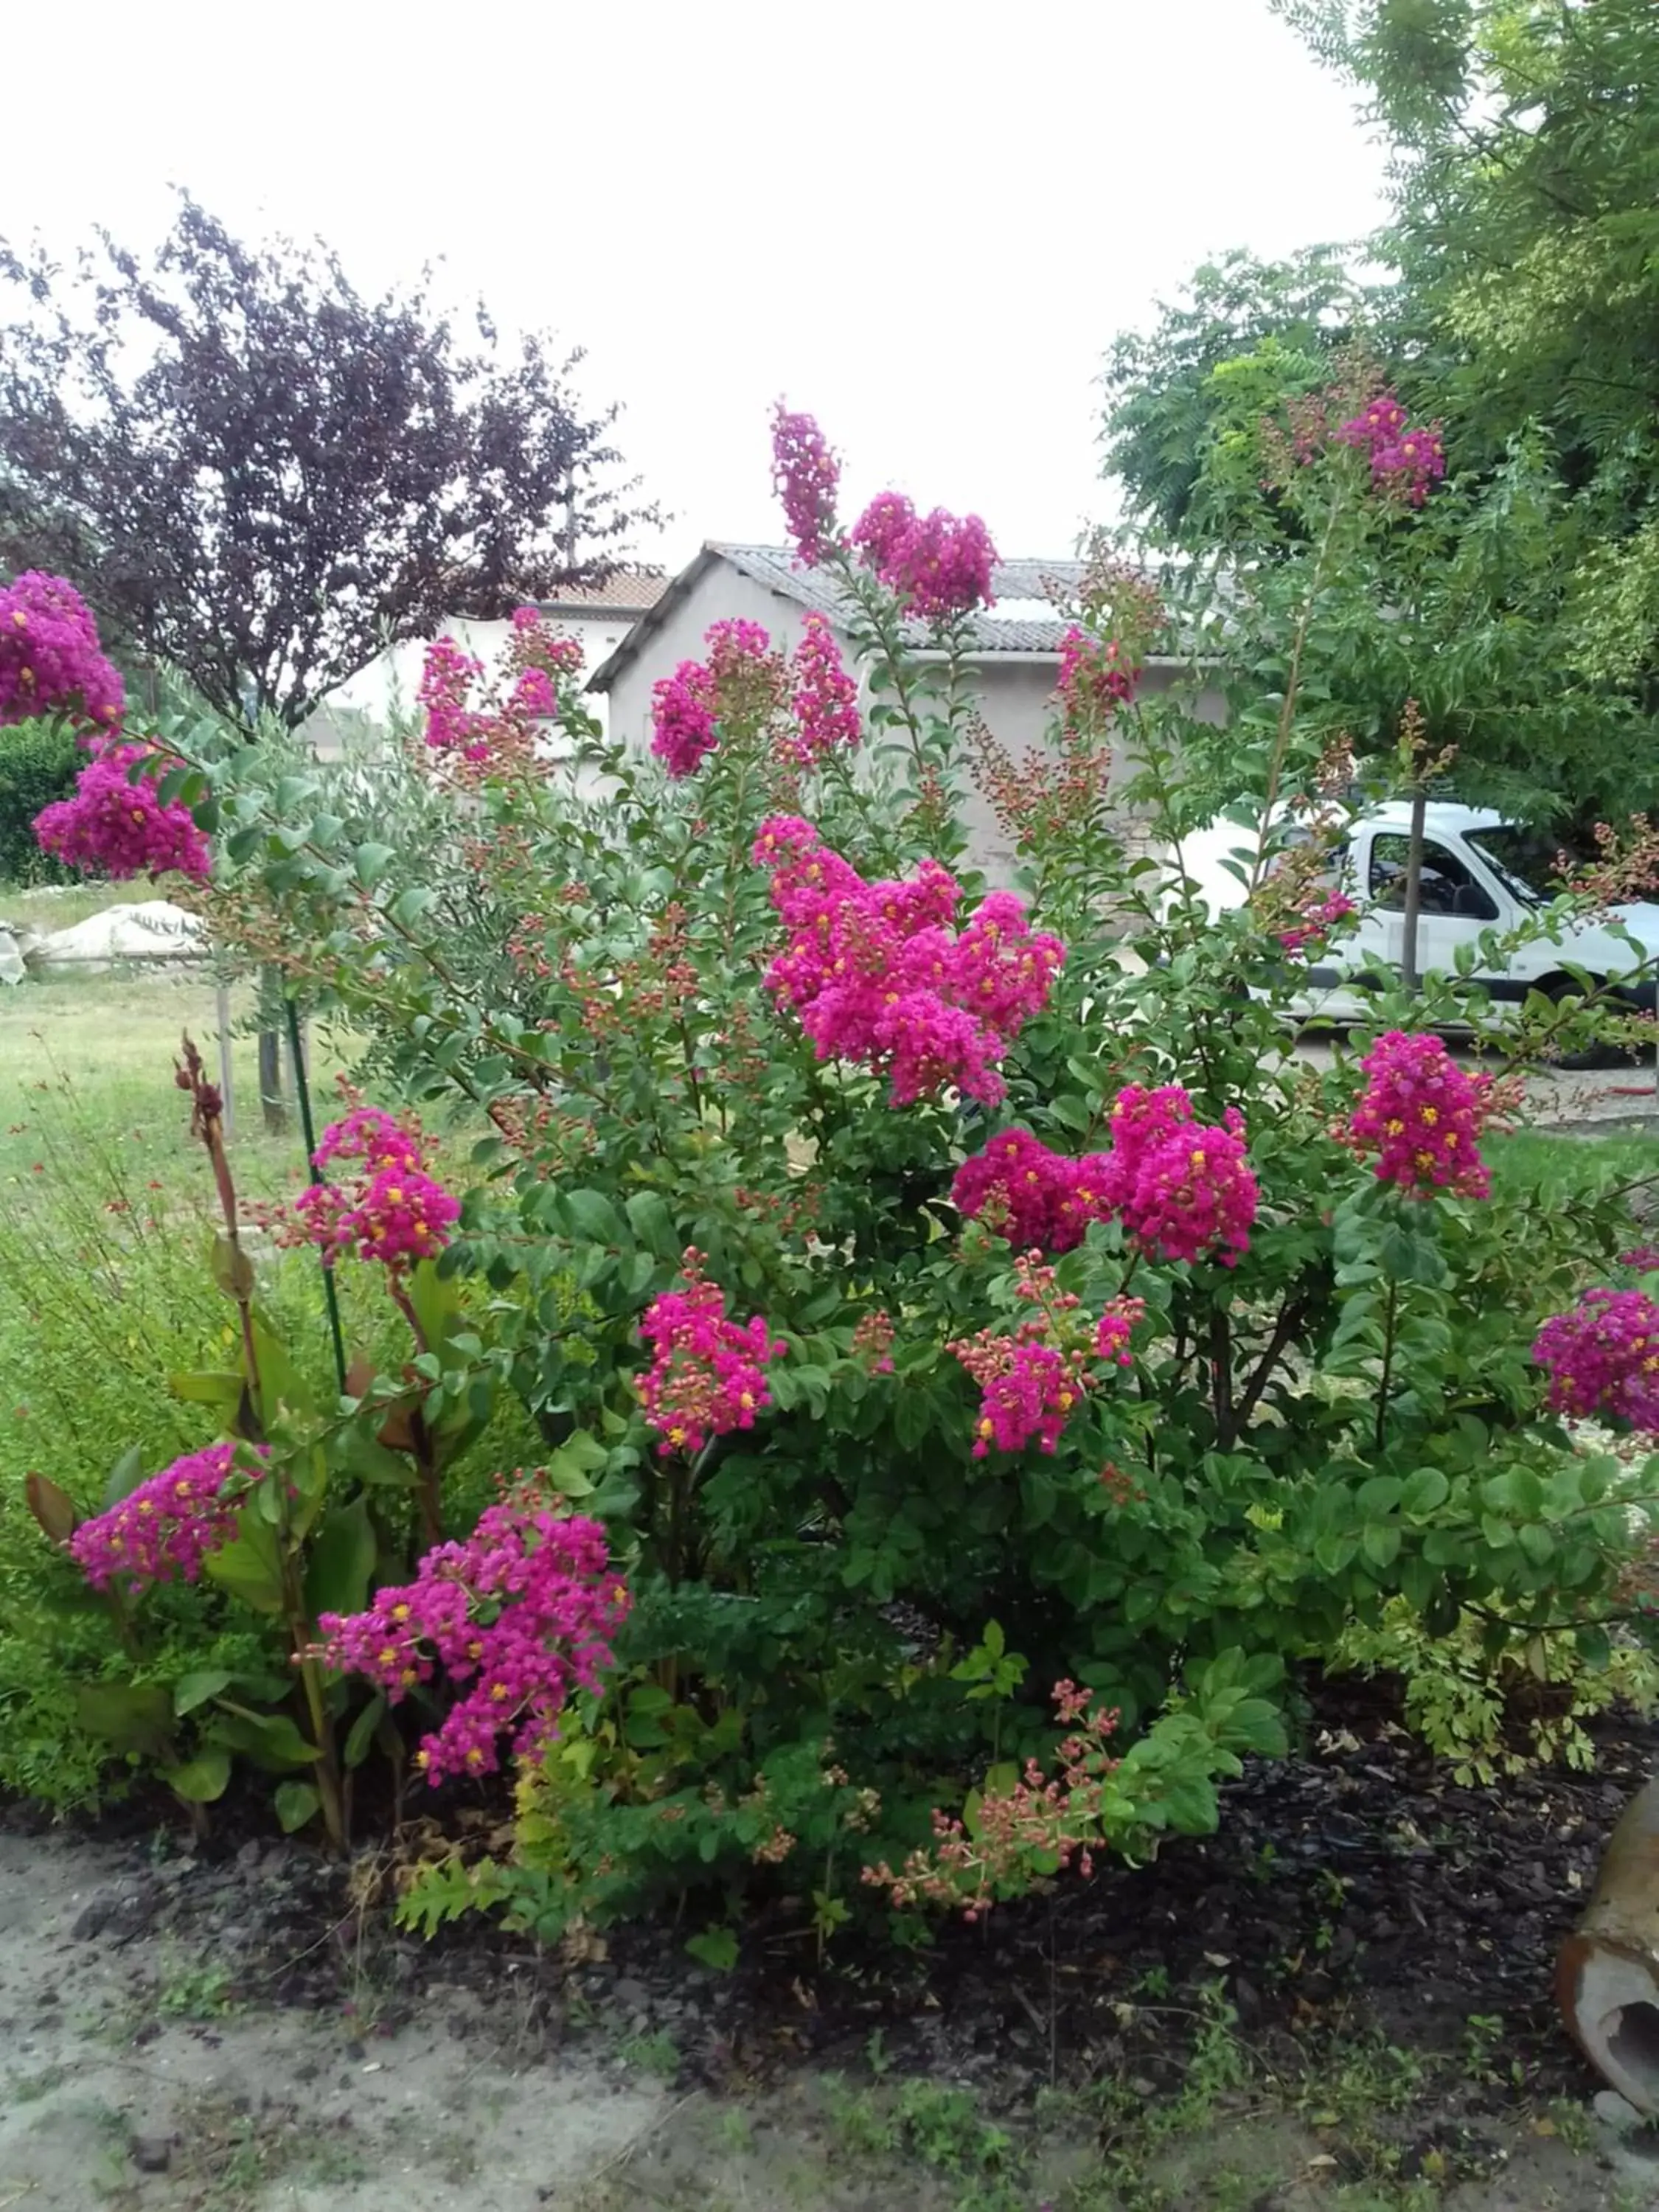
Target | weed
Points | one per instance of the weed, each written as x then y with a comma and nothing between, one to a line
199,1992
656,2053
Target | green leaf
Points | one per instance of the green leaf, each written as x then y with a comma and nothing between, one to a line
196,1687
124,1476
282,1386
214,1387
372,862
437,1302
54,1508
1425,1492
130,1716
362,1733
271,1740
653,1223
231,1269
594,1216
296,1802
1380,1542
200,1780
343,1554
716,1947
250,1565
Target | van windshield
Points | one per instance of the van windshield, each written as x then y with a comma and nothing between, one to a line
1525,859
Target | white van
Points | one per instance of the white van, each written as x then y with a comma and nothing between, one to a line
1480,872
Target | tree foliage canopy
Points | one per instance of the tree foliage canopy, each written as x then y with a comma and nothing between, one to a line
260,475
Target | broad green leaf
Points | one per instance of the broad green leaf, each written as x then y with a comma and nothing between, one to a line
196,1687
200,1780
343,1552
296,1802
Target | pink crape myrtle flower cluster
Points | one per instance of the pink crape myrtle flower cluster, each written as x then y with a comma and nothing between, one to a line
1422,1116
682,732
1182,1190
499,726
1096,677
1405,461
806,476
165,1527
1318,914
1032,1382
937,566
743,683
524,1611
389,1208
708,1376
1603,1357
825,700
1038,1200
115,822
51,660
118,824
1044,1818
880,976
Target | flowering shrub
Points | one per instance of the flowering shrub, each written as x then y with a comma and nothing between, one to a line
877,1243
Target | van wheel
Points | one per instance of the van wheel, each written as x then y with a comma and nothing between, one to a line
1560,991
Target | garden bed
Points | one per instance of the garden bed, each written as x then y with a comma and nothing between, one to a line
1353,1977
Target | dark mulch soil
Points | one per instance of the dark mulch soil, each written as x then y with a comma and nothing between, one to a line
1351,1888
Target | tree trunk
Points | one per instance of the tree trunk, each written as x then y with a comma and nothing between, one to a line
1414,892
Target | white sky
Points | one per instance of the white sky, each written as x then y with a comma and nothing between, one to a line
921,220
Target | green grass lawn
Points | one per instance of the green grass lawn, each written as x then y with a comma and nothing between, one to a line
60,906
87,1068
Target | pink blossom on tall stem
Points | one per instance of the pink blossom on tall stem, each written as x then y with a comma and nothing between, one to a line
116,824
825,700
683,718
937,566
1422,1115
51,660
1319,914
448,673
392,1210
708,1376
806,476
1603,1357
1037,1199
1096,678
166,1526
1405,461
524,1611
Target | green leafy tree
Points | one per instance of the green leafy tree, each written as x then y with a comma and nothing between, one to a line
1526,230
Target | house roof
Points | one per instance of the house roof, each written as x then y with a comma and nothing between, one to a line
1027,586
626,593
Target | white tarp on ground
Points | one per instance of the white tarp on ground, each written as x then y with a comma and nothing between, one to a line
156,929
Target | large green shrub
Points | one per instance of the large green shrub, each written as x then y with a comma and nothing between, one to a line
729,1043
39,763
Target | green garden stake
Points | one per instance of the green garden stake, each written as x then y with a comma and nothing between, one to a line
302,1090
